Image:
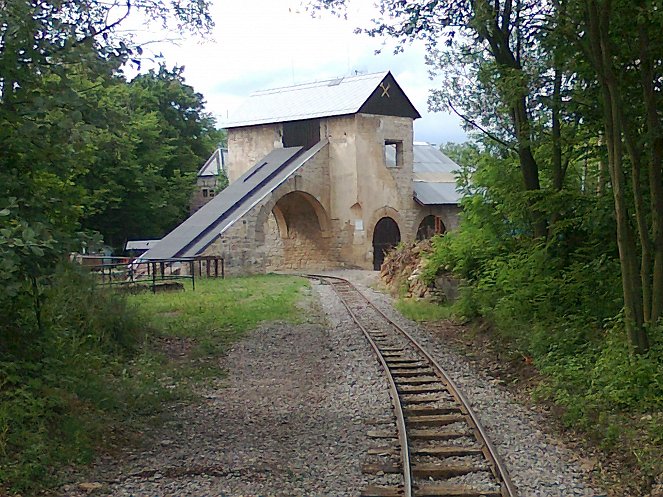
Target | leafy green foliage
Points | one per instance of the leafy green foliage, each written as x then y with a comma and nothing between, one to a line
557,301
99,366
52,386
81,147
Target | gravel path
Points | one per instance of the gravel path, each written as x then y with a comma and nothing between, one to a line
292,418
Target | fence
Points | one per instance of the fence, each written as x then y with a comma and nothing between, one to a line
155,273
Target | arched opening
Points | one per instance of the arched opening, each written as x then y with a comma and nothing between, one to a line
297,233
429,226
385,236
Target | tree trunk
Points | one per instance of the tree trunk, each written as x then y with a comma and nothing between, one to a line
598,17
655,136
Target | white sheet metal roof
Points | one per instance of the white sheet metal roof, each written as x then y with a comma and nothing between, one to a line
434,182
429,159
215,164
436,193
333,97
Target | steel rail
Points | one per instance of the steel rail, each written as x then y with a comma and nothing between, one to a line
393,393
497,465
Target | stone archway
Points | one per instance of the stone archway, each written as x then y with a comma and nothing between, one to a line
386,235
297,233
429,226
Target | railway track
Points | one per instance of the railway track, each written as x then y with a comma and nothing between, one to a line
435,447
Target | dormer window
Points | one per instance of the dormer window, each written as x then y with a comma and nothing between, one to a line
393,153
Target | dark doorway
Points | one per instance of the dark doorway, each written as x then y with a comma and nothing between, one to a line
430,226
385,236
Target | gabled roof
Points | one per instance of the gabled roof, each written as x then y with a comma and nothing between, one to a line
334,97
197,232
215,164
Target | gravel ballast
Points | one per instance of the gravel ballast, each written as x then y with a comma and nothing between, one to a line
292,418
539,464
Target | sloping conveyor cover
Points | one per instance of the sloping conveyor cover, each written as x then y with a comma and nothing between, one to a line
196,233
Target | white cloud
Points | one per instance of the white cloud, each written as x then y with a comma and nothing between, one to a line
259,44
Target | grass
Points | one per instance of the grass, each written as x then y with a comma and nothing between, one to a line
205,322
221,310
110,365
422,310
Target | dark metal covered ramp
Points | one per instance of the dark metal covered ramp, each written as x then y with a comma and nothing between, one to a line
197,232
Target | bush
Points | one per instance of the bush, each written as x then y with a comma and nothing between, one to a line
53,390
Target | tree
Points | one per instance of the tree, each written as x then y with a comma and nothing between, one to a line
153,137
628,76
498,77
53,55
528,75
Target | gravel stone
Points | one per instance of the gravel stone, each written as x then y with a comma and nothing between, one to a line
292,419
538,463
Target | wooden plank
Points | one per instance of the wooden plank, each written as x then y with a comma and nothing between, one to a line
379,491
382,434
418,380
438,419
421,389
445,470
447,451
383,451
420,410
373,469
407,373
454,491
437,434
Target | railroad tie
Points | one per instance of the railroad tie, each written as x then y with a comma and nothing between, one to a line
454,491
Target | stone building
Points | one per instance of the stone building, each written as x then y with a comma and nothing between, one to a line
322,175
208,179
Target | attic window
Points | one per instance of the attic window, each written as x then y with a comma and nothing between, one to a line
393,153
255,172
335,82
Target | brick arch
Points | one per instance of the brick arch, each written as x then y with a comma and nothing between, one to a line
280,221
426,227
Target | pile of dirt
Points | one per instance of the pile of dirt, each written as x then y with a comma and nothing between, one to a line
402,268
402,272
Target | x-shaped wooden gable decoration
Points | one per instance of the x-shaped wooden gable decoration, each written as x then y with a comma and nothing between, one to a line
385,90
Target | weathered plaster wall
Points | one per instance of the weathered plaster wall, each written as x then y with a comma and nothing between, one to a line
248,145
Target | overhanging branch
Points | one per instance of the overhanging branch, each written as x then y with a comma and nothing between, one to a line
481,128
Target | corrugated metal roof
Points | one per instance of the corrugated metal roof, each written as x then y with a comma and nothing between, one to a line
196,233
429,159
335,97
436,193
426,159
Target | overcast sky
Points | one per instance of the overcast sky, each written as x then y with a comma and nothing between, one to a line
261,44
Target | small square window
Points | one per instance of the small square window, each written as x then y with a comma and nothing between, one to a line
393,153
